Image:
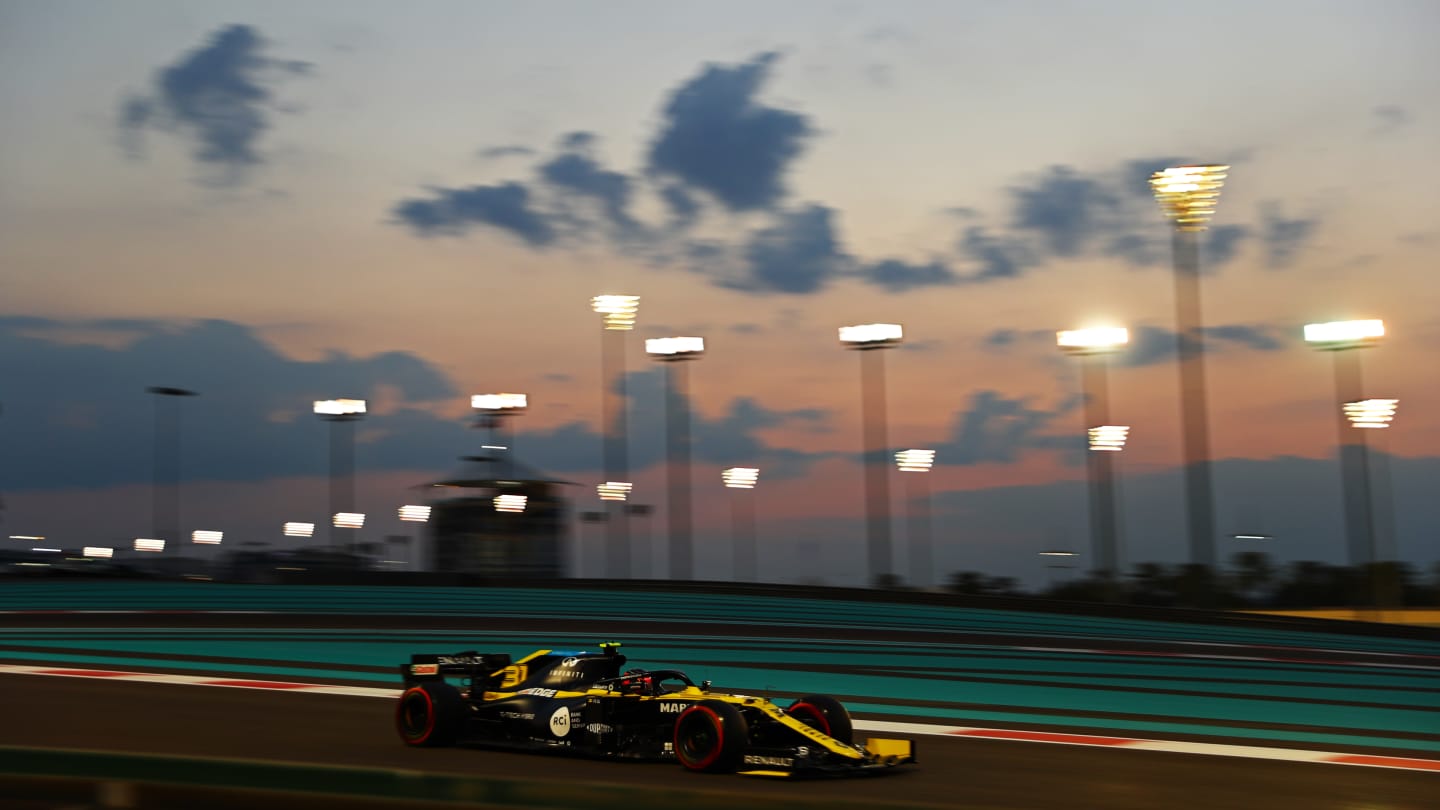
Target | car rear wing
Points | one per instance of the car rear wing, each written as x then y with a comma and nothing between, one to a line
477,668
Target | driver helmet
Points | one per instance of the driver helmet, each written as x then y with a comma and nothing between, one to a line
637,682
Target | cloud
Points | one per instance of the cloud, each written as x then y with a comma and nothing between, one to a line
576,171
1065,213
717,144
1222,242
1283,238
87,419
800,253
453,211
1064,209
895,275
999,257
511,150
1391,117
727,440
1149,345
217,95
684,209
717,138
1260,338
1001,339
996,429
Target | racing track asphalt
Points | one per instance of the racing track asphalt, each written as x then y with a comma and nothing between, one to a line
953,773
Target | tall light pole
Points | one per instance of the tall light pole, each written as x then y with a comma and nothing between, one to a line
922,558
1188,196
165,511
342,414
869,339
613,497
618,313
743,544
495,412
644,555
1342,338
1055,563
674,352
1093,347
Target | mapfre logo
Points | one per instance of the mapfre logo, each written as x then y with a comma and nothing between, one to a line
672,708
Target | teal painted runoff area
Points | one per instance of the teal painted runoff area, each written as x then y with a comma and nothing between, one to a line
1012,668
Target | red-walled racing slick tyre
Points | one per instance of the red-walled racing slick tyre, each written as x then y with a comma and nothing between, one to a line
826,715
710,736
429,714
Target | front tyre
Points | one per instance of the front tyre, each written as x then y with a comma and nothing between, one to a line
711,737
428,714
826,715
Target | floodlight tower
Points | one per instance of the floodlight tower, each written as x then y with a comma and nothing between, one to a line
1342,339
165,496
618,312
1093,347
674,352
742,521
495,412
1188,196
922,560
869,339
342,414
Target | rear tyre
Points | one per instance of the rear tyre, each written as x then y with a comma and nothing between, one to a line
428,715
711,737
826,715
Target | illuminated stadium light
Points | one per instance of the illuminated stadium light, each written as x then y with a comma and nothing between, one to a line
1057,554
1188,194
47,550
1344,334
1094,340
99,551
675,348
207,537
499,402
619,310
740,477
412,513
32,538
340,407
510,503
1371,413
614,490
871,335
915,460
1109,437
299,529
149,544
348,520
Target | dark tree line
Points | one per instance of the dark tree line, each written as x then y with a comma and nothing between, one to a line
1252,580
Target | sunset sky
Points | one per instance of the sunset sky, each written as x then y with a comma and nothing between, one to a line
277,202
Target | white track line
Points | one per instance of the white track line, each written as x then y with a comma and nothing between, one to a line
1012,735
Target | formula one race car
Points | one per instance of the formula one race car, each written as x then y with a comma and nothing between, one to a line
582,703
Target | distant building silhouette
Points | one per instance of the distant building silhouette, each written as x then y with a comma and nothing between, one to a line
470,534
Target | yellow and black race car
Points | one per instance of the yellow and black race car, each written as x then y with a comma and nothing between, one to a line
581,702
